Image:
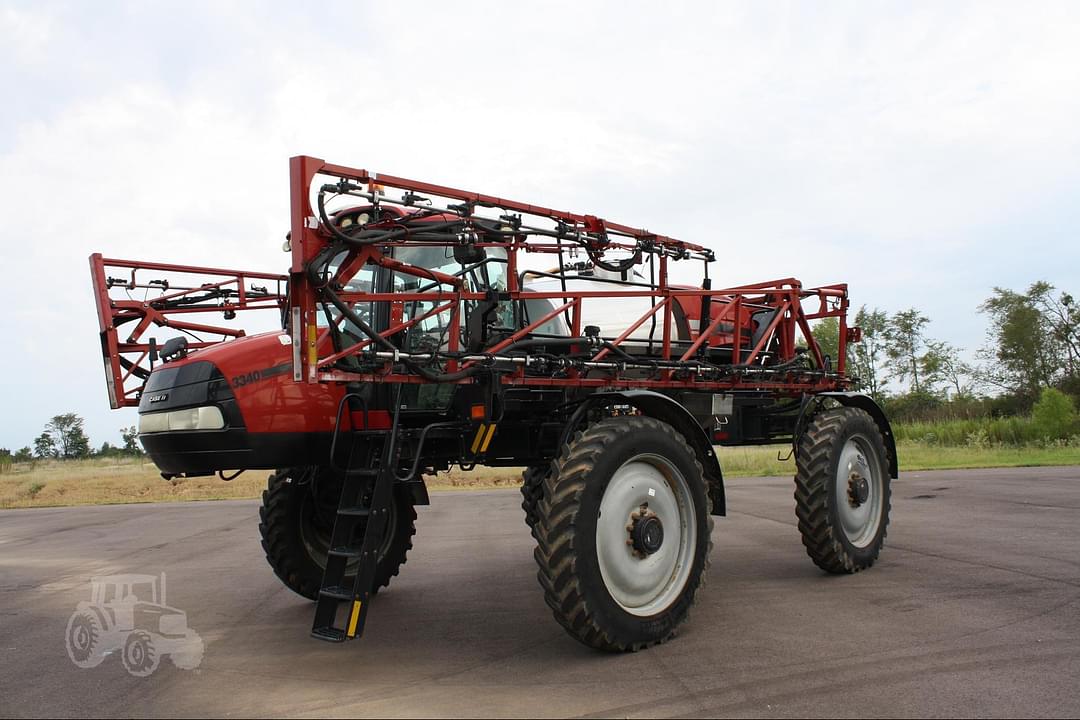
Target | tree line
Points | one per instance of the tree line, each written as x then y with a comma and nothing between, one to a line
1031,352
64,438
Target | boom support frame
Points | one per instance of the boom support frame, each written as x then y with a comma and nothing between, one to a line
769,364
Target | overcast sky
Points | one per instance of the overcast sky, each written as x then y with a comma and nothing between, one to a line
923,153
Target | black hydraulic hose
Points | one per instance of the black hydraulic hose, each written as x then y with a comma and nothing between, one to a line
615,349
139,372
315,275
460,273
610,281
371,237
540,342
427,234
652,299
619,267
382,342
375,337
438,377
332,226
389,346
212,294
779,367
348,312
562,282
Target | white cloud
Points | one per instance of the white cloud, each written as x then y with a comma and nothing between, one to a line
26,33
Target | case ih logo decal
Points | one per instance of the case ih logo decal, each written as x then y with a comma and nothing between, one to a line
159,398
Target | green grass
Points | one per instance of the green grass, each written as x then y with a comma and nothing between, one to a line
914,456
762,461
1016,431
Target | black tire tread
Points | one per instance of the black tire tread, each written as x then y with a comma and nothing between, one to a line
278,538
813,476
532,490
555,553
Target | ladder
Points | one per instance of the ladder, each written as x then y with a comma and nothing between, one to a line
362,514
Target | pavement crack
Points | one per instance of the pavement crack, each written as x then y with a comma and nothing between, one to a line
992,566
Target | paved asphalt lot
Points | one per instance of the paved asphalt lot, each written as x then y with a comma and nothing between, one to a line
972,610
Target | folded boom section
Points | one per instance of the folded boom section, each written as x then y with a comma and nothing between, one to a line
407,282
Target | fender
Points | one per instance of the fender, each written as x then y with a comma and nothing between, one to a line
865,402
661,407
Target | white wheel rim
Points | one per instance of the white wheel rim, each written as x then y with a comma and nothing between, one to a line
645,585
858,520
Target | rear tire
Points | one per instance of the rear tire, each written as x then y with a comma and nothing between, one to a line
609,582
842,492
296,519
83,639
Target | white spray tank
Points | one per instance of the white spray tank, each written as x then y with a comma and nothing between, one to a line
612,315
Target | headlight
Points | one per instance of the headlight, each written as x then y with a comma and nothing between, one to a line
199,418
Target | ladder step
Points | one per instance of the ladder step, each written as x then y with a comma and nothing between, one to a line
337,593
329,634
366,495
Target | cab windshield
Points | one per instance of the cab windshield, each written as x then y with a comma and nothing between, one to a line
429,334
488,273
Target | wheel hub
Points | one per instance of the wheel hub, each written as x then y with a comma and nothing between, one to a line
646,532
858,489
859,481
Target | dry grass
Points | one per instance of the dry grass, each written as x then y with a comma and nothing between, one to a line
133,480
108,481
101,482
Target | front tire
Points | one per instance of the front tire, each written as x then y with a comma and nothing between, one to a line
190,654
140,657
296,520
623,533
842,491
